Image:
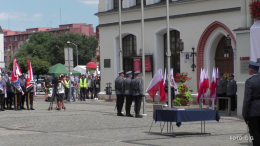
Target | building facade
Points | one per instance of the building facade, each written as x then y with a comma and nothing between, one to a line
13,40
201,24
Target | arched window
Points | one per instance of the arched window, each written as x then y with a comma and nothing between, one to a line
175,50
129,50
224,59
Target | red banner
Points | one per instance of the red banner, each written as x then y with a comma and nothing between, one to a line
148,64
137,64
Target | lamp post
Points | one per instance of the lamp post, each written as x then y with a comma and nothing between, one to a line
68,42
187,54
229,48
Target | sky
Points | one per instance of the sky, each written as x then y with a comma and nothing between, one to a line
18,15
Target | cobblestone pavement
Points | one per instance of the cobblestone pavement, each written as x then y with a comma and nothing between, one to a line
94,123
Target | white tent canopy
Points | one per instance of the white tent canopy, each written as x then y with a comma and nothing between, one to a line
81,69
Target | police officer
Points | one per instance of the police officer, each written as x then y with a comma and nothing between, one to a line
231,91
137,87
119,86
10,91
29,101
23,85
2,92
18,94
251,104
221,91
128,94
83,83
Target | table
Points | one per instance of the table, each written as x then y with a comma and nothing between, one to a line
187,115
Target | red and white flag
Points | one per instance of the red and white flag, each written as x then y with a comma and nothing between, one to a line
201,85
162,86
15,76
155,84
213,84
29,76
206,84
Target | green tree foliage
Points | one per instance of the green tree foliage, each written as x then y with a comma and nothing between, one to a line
39,66
50,47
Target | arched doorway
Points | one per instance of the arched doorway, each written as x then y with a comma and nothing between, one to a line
175,50
224,59
129,50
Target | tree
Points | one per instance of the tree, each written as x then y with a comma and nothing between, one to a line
39,66
50,47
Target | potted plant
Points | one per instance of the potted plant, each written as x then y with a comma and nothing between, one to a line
184,96
255,9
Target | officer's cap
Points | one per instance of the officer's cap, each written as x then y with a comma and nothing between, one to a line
253,65
21,75
121,72
137,72
231,75
9,73
221,74
129,73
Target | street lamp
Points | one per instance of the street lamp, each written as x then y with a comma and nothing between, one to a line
188,54
68,42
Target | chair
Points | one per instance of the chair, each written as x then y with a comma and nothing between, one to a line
156,107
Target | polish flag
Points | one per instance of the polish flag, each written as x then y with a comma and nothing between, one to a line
206,84
216,84
155,84
201,85
15,76
162,91
29,79
213,84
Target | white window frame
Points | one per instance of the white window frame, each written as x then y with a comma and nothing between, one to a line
15,38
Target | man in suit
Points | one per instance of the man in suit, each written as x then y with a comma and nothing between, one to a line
119,86
221,91
10,91
251,104
128,94
137,88
232,91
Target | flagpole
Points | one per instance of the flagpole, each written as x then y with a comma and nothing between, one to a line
168,54
143,57
120,37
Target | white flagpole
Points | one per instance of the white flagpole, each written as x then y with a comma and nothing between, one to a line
120,37
143,56
168,54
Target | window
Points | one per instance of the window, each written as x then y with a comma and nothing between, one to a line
24,37
5,58
15,48
10,48
116,4
5,49
10,38
129,50
5,39
15,38
21,38
175,50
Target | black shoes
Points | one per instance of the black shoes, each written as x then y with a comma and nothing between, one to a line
22,107
58,109
138,116
2,109
129,115
31,108
120,114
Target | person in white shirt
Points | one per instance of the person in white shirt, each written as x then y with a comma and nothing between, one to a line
60,92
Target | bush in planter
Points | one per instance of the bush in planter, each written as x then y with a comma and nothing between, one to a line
184,95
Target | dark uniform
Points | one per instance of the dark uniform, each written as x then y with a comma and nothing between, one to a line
119,86
23,85
231,92
10,92
18,94
221,91
2,93
128,94
137,88
29,101
251,104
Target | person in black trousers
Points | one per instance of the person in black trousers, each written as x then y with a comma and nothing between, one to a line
10,91
221,91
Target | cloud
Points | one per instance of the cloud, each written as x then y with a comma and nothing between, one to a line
20,16
89,2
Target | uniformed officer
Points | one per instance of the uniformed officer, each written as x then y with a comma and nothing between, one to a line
137,88
10,91
221,91
119,86
232,91
83,83
29,101
5,99
2,92
128,94
251,104
18,94
23,85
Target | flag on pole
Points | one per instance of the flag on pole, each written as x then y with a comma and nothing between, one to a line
162,91
29,79
15,77
206,84
201,85
213,84
155,84
173,81
216,84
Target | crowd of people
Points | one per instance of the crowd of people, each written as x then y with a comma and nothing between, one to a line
12,98
71,87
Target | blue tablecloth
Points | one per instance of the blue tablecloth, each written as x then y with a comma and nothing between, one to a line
187,115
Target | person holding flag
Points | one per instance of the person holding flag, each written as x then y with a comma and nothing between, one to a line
29,87
23,85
